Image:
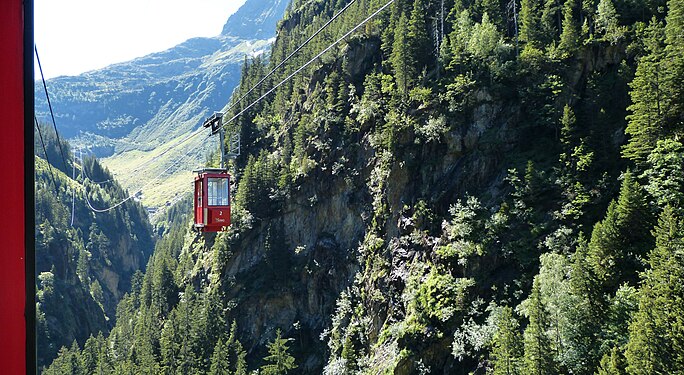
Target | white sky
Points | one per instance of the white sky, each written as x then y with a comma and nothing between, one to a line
75,36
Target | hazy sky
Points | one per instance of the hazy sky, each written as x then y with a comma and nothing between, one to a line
75,36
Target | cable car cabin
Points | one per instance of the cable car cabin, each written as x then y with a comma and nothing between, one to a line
212,200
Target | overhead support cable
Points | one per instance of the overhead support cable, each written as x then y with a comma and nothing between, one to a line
131,196
310,61
235,103
192,135
52,114
85,174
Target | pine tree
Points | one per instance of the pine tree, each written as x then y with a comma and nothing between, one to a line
551,19
507,344
577,161
656,340
622,238
635,219
279,361
587,316
171,343
570,36
418,39
237,353
646,122
493,9
89,354
529,23
674,74
220,363
538,358
401,59
607,21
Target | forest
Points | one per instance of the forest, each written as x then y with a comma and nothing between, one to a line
460,187
85,261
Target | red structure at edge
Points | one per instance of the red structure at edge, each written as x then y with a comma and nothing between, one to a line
13,344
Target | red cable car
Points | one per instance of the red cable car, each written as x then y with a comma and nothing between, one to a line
212,185
212,200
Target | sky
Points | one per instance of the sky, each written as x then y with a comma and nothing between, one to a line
76,36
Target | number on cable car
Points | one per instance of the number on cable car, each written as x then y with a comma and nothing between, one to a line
212,200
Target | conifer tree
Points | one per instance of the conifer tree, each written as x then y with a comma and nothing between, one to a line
538,358
493,9
220,363
622,238
656,340
607,21
89,354
551,19
507,347
577,160
635,219
418,39
570,35
237,352
401,59
674,74
171,343
645,123
279,361
587,316
529,23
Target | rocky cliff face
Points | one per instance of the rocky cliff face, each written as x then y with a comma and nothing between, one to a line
255,20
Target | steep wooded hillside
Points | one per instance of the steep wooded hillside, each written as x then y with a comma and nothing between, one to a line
461,187
85,262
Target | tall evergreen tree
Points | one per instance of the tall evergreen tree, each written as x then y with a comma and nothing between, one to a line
674,74
220,362
656,341
646,123
620,240
570,36
401,59
279,361
607,21
538,358
507,346
418,38
613,363
237,352
551,18
587,316
530,32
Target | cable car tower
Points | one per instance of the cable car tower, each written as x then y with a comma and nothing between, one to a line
211,196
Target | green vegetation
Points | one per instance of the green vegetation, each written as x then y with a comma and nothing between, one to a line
83,264
450,190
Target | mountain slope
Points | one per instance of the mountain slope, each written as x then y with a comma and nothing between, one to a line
84,265
485,199
128,110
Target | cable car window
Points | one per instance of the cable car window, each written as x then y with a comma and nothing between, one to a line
217,191
199,194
